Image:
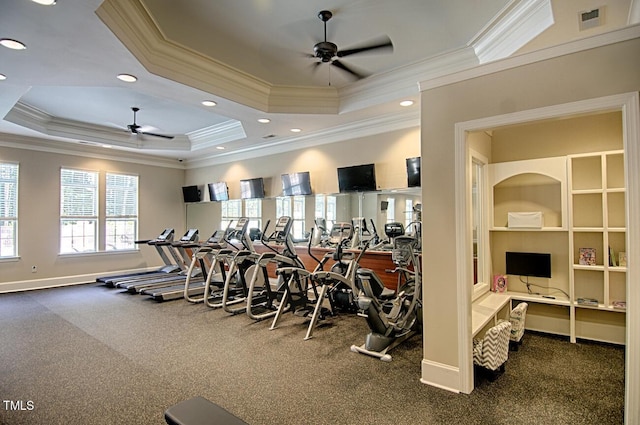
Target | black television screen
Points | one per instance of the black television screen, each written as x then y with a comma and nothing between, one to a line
358,178
528,264
296,184
413,171
252,188
191,193
218,191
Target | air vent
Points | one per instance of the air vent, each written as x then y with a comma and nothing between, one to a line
591,18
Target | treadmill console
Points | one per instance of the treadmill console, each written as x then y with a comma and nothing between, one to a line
190,236
217,238
166,235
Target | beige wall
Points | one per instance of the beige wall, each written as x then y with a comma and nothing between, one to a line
589,74
39,214
161,202
560,137
388,151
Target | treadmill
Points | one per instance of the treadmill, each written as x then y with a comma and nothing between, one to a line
169,267
194,285
189,239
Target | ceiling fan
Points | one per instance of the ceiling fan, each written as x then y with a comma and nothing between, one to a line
326,51
138,129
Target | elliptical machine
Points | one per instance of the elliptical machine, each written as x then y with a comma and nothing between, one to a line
400,318
265,298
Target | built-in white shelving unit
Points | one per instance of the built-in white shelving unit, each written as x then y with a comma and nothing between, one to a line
582,201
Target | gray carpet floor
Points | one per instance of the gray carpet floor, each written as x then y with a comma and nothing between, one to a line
91,355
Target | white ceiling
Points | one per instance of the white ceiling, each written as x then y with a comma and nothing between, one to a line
252,57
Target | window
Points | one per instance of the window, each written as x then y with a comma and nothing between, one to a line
293,207
121,212
231,211
8,210
78,211
408,207
326,208
477,192
253,211
391,210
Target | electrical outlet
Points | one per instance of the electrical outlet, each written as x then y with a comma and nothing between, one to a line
34,269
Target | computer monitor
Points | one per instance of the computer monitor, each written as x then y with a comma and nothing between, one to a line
528,264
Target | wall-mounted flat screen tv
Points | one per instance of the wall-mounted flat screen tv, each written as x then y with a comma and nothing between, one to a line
358,178
218,191
413,171
252,188
296,184
191,194
528,264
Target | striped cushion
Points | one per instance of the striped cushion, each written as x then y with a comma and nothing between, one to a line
517,321
492,351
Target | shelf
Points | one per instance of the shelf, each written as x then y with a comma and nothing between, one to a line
520,296
542,229
617,269
596,268
584,208
587,192
588,229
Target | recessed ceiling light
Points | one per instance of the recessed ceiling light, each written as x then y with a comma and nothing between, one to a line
127,78
3,77
296,130
209,103
406,103
220,148
12,44
45,2
264,120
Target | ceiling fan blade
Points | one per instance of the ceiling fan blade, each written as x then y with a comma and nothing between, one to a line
164,136
342,66
384,43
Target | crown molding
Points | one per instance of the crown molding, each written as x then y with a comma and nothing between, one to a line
132,23
402,82
34,119
516,25
363,128
215,135
599,40
86,150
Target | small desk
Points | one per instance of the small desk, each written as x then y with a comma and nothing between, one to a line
486,308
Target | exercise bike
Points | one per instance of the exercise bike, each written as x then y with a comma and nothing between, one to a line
394,321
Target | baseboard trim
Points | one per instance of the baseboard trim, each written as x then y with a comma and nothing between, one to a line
54,282
440,375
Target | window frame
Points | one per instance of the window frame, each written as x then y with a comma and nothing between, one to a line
91,219
13,206
132,218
